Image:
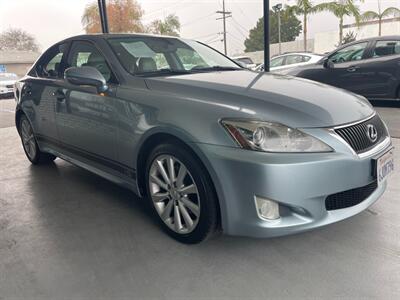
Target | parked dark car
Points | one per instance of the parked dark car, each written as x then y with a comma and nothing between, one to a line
369,67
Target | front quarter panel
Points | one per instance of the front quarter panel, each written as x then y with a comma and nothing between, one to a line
142,113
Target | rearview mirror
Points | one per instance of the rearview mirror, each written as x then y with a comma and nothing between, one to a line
86,76
328,64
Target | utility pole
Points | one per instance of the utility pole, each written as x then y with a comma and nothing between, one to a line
225,14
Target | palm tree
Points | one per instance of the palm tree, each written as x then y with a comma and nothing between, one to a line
304,8
380,15
340,9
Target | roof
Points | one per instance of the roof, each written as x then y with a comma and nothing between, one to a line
18,57
298,53
117,35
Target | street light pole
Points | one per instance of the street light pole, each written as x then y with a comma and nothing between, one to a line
266,35
277,8
103,15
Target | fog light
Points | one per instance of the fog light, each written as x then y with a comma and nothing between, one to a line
267,209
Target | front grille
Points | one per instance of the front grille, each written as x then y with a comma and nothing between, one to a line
10,86
350,198
357,135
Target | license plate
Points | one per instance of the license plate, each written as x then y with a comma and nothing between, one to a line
384,166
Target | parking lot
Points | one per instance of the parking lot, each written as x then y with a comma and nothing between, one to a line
67,234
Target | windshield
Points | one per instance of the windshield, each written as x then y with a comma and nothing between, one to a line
153,56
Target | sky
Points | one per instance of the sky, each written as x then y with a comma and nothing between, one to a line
52,20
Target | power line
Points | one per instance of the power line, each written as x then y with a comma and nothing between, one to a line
239,30
242,12
198,19
240,25
204,36
236,38
162,8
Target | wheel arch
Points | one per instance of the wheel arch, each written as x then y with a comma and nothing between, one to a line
18,114
159,136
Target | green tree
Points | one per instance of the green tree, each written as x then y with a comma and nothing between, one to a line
123,16
348,38
303,8
290,29
17,39
169,26
341,9
380,15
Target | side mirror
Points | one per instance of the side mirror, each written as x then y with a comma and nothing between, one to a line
328,64
86,76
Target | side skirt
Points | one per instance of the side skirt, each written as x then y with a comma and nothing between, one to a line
127,178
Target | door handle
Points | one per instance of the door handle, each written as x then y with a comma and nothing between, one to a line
352,69
59,94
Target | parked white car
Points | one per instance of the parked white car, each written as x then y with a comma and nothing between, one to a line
7,81
291,60
245,62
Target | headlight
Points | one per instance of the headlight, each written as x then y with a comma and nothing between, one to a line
272,137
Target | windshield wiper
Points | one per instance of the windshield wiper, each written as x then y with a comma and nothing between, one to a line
163,72
215,68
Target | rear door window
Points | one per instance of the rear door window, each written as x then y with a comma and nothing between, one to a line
277,62
386,48
51,65
293,59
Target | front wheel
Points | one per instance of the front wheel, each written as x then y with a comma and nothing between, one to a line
181,194
30,145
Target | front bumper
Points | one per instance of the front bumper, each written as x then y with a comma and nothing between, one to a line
5,91
300,184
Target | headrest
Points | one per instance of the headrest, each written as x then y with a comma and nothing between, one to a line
147,64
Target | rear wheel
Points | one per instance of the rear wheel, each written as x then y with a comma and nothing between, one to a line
30,145
181,194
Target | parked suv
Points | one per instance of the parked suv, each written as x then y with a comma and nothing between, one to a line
369,67
210,145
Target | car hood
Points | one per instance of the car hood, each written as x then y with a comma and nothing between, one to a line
7,82
289,100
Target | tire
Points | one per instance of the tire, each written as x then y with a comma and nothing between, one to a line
189,196
30,145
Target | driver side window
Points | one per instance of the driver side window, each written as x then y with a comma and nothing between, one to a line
84,53
351,53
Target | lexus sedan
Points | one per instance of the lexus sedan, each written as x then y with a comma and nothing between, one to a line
210,145
369,67
288,61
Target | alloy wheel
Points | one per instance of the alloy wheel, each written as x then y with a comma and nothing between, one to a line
174,194
28,139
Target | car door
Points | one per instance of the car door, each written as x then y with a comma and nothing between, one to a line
86,119
384,70
277,63
349,71
39,90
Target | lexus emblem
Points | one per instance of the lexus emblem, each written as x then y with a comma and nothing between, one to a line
372,133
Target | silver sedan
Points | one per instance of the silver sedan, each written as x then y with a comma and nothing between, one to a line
210,145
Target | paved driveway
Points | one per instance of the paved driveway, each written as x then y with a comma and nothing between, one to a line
68,234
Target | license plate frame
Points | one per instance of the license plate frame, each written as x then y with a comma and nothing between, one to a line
383,166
